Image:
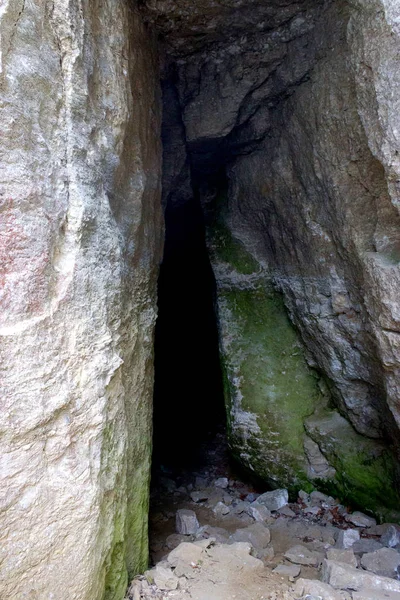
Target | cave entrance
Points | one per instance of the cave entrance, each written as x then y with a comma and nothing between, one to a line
188,398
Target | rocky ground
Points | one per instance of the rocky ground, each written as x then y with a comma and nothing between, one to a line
214,537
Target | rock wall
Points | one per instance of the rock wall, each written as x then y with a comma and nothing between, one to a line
80,243
290,120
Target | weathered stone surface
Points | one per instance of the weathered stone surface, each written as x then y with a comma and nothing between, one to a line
259,512
347,538
257,535
300,555
342,555
274,500
186,522
360,520
385,561
365,545
318,589
80,233
341,576
391,537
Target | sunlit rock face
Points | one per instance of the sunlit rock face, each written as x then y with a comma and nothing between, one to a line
80,243
289,118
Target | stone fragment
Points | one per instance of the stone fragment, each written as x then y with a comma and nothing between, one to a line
391,537
347,537
286,511
217,533
290,571
259,512
307,588
300,555
186,522
341,576
257,535
304,497
221,510
200,495
319,499
385,561
252,497
312,510
222,483
274,500
360,520
340,555
186,552
240,507
365,545
164,578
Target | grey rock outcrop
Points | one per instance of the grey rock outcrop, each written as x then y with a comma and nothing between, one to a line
81,234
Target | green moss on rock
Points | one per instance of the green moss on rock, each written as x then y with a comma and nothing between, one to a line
365,469
273,398
271,390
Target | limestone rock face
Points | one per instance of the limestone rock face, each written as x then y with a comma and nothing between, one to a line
292,130
80,233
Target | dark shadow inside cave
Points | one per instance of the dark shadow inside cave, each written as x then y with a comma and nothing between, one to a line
188,397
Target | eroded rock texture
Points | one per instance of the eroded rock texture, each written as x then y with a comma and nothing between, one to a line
80,243
290,120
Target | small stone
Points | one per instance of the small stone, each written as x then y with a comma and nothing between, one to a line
222,483
217,533
259,512
391,537
252,497
304,497
347,538
385,561
220,510
257,535
240,507
186,522
319,499
341,555
288,570
312,510
200,496
360,520
164,578
286,511
365,545
300,555
274,500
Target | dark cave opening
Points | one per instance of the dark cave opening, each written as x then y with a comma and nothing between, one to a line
188,397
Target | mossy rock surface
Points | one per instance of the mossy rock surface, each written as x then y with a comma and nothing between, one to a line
273,399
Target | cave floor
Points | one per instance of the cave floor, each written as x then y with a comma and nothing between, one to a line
224,549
